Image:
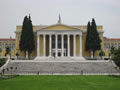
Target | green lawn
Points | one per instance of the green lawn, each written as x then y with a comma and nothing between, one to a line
65,82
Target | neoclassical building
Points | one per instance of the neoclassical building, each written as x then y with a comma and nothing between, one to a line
59,40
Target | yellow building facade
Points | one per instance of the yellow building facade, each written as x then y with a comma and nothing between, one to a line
108,43
7,42
59,40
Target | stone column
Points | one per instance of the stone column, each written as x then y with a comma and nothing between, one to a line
49,45
62,37
56,45
74,37
80,45
44,45
38,45
68,45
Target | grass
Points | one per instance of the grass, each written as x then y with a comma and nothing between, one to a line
46,82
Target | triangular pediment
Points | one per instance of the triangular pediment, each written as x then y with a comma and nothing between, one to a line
59,27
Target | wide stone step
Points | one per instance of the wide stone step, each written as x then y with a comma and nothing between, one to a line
62,67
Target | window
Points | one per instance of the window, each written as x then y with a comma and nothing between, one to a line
119,45
105,46
115,45
10,46
108,46
3,46
6,45
13,46
112,44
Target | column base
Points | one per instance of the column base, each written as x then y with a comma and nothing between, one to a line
40,57
62,58
79,58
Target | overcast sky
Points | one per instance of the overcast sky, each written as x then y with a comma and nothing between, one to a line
73,12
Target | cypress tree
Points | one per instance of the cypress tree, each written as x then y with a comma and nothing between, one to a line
95,39
23,38
87,45
31,42
27,37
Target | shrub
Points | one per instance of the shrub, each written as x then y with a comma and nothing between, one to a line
116,57
2,61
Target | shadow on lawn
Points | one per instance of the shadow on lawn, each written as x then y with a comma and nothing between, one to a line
116,76
4,77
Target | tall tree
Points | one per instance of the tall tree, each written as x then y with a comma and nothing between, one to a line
31,42
23,38
95,39
27,37
93,42
87,45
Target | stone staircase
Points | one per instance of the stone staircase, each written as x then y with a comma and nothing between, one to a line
33,67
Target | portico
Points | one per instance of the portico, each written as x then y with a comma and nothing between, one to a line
59,43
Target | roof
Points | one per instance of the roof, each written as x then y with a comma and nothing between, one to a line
111,38
80,27
58,27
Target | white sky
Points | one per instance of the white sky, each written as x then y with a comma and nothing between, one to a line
73,12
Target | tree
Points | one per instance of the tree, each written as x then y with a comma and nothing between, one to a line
23,39
101,53
112,50
7,51
27,37
31,42
116,57
17,54
95,41
87,45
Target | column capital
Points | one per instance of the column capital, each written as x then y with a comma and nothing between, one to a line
74,34
68,34
38,34
44,34
80,34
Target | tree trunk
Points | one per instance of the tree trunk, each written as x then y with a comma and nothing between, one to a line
91,54
26,54
29,55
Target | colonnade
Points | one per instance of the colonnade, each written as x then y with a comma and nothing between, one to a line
56,45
